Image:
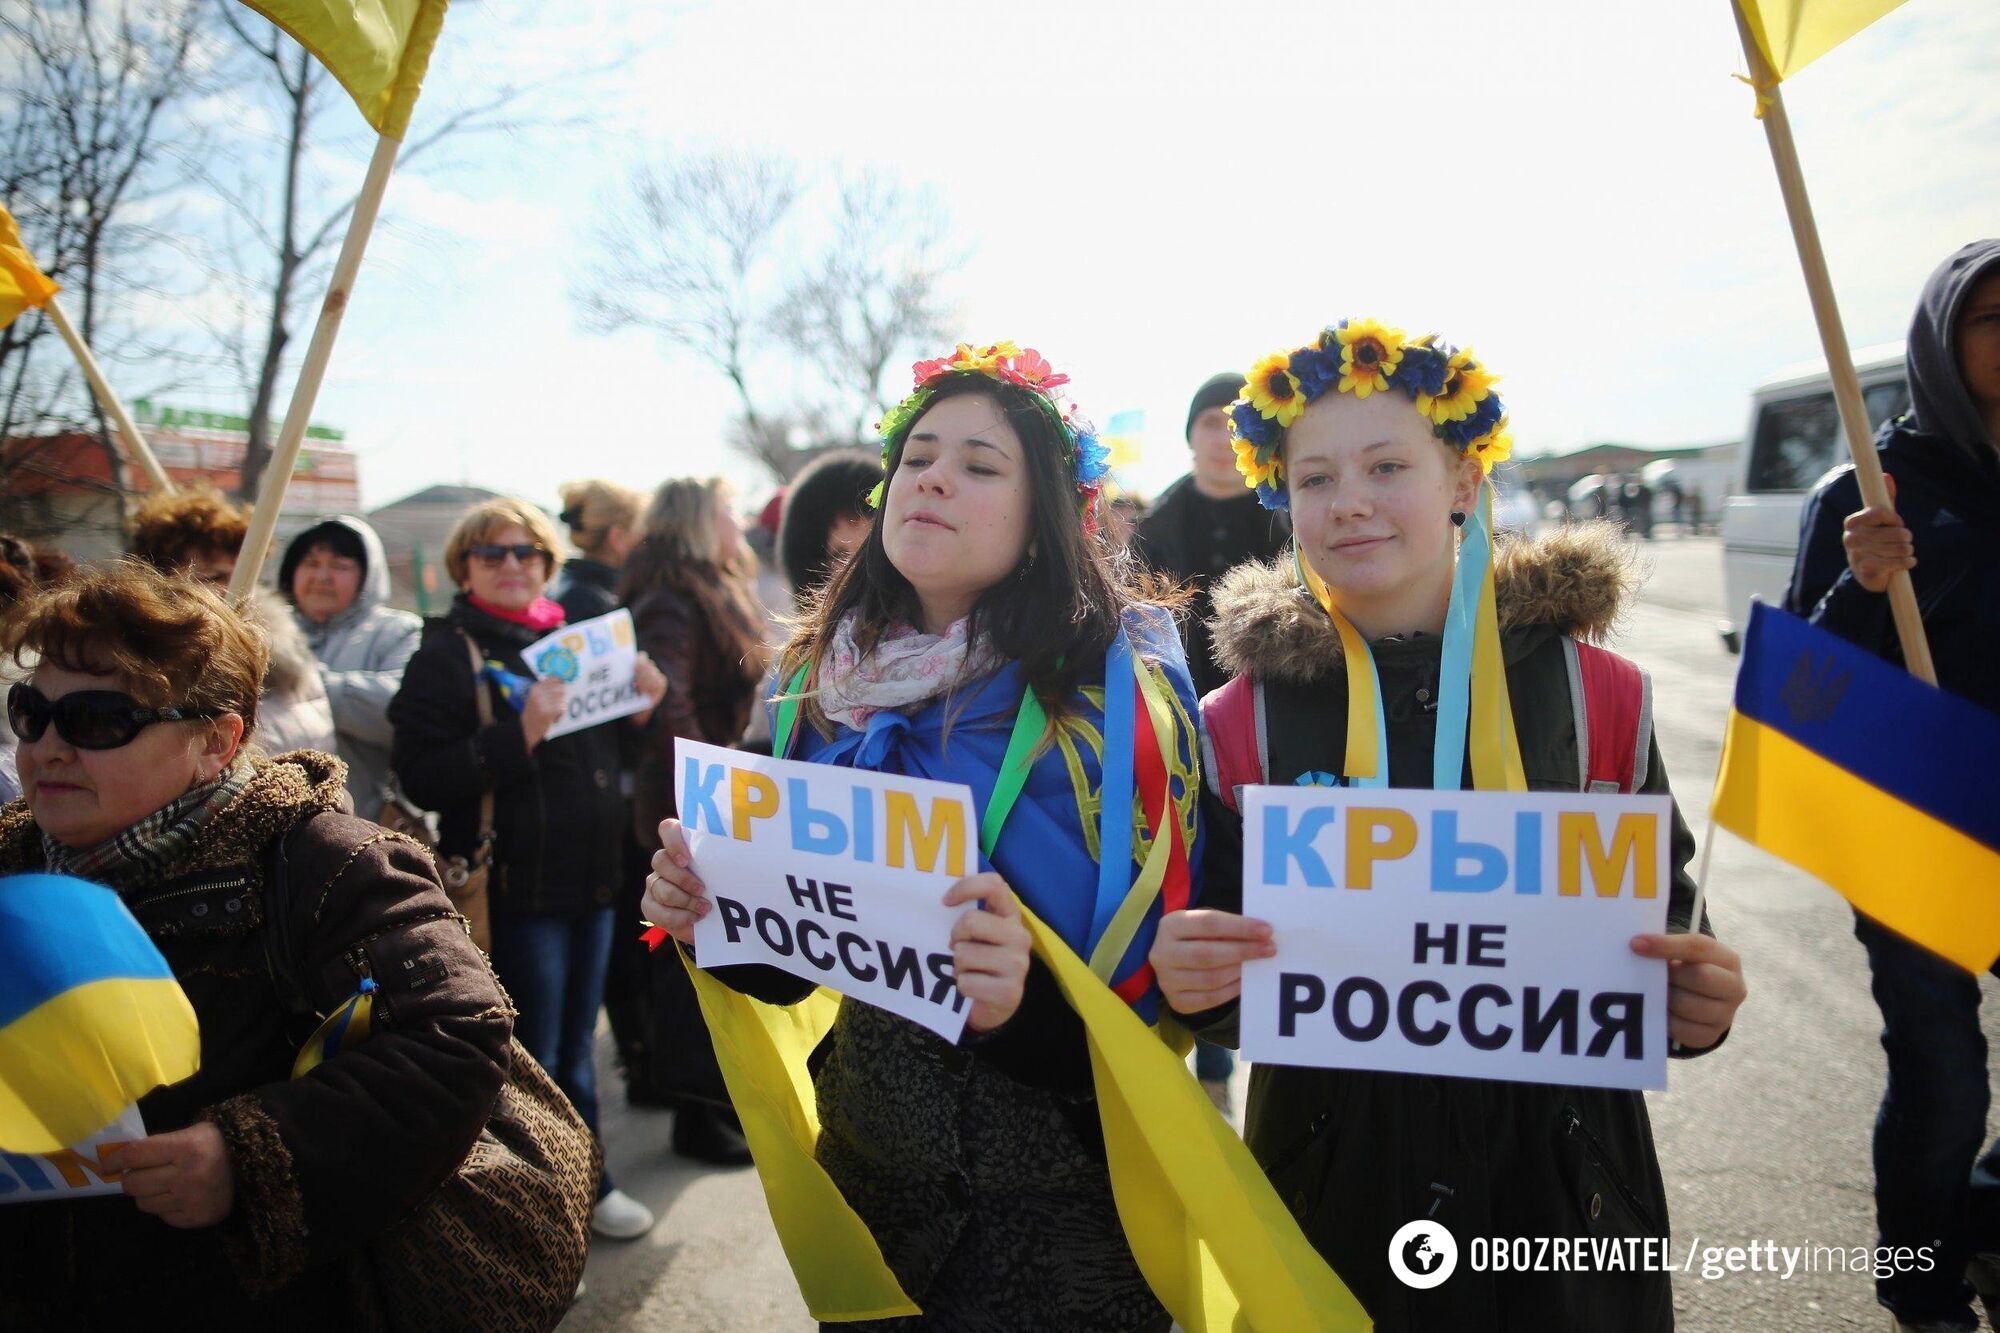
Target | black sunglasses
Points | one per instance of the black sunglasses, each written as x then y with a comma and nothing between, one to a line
521,551
89,719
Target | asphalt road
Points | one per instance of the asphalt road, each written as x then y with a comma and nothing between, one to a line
1765,1141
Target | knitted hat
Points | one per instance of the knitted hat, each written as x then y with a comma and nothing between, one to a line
1220,391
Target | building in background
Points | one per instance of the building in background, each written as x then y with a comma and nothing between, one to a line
61,488
413,530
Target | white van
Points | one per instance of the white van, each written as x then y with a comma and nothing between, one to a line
1794,439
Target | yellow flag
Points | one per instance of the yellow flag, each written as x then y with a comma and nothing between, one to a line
378,49
1794,33
1216,1245
22,282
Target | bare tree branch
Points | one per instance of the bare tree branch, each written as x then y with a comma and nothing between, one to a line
714,254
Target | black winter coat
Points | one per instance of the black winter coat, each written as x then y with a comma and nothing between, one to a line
1356,1154
557,811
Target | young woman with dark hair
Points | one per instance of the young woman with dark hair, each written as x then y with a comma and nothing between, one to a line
983,596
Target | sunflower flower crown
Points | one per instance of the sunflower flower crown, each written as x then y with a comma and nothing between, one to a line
1448,386
1005,363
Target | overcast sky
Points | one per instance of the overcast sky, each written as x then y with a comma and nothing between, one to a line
1152,192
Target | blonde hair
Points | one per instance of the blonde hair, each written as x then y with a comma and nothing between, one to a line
593,508
488,519
680,520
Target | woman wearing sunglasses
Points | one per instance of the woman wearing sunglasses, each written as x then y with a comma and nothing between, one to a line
138,773
553,806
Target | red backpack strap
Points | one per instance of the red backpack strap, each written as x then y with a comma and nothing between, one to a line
1233,749
1613,702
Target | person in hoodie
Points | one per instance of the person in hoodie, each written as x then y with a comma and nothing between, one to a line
337,580
1943,465
1378,445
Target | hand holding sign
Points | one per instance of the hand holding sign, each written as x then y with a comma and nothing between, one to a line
1199,954
989,949
542,711
600,666
183,1178
1704,986
675,896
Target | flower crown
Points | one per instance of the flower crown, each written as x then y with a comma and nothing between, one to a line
1006,363
1448,386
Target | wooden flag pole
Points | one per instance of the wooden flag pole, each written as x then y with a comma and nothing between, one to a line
1832,337
135,443
291,435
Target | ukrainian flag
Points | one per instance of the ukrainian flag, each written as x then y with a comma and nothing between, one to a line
1123,437
91,1017
1862,775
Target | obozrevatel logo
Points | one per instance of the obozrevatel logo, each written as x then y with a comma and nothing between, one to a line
1422,1254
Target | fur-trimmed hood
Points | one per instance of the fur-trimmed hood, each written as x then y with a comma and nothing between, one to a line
280,793
1574,579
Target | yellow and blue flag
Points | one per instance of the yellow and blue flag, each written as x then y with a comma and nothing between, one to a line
1122,436
1862,775
377,49
1794,33
91,1017
23,285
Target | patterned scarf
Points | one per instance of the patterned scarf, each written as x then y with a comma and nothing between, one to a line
905,667
137,857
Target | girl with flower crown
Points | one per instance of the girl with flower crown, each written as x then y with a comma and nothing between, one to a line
1398,647
981,635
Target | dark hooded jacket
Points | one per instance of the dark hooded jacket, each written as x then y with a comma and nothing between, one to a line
323,1163
1947,472
556,809
1356,1155
1189,537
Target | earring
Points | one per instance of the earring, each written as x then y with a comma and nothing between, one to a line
1458,518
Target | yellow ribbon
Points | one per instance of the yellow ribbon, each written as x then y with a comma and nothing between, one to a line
1363,745
1493,744
1210,1235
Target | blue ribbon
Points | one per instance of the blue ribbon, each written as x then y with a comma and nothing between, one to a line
1455,662
1114,824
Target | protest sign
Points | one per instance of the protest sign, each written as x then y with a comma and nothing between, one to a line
596,658
831,874
1478,934
73,1173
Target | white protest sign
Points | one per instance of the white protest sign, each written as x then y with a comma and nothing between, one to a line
831,874
597,659
73,1173
1478,934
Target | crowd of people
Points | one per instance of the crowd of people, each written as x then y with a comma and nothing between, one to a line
970,608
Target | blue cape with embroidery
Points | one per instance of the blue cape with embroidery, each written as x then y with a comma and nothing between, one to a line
1047,851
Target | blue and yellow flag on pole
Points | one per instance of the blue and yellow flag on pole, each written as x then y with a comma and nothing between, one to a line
91,1017
1794,33
377,49
1862,775
23,285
